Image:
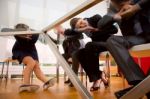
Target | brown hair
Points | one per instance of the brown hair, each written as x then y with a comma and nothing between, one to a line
22,26
73,22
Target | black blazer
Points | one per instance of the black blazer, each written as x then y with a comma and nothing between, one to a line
104,33
71,42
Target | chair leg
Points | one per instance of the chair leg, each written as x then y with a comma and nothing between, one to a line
6,76
108,68
65,76
86,77
57,72
2,70
22,72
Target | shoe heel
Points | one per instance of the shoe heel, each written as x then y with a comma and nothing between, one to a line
105,79
94,87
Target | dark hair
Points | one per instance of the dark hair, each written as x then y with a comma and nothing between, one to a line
68,32
72,34
119,1
22,26
73,22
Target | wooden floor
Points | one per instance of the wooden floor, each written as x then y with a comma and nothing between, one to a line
59,90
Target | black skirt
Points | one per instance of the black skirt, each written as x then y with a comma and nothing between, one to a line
25,47
20,54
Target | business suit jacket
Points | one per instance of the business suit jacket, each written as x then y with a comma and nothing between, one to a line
136,30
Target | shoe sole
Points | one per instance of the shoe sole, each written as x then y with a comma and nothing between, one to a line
51,83
28,88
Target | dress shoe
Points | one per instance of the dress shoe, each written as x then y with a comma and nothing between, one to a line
71,85
120,93
67,81
94,88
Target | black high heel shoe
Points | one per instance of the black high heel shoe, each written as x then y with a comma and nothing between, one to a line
105,79
67,81
94,87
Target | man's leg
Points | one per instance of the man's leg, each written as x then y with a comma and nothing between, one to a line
118,47
66,56
75,62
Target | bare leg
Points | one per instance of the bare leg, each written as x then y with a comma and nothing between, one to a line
39,74
30,63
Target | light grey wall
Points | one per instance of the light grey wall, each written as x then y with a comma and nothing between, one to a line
40,13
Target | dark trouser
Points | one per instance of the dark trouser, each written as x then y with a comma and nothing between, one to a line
118,47
148,95
75,62
66,56
89,59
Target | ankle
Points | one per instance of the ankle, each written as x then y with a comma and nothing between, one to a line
96,83
104,77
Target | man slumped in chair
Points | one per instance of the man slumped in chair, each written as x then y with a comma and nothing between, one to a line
133,17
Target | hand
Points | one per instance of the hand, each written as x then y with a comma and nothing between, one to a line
59,29
29,36
128,11
26,36
117,17
87,29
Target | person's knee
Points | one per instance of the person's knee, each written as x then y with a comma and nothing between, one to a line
37,64
93,47
118,40
29,62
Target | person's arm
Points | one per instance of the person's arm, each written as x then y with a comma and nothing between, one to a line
28,37
34,38
111,30
95,18
22,38
129,10
86,29
105,22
